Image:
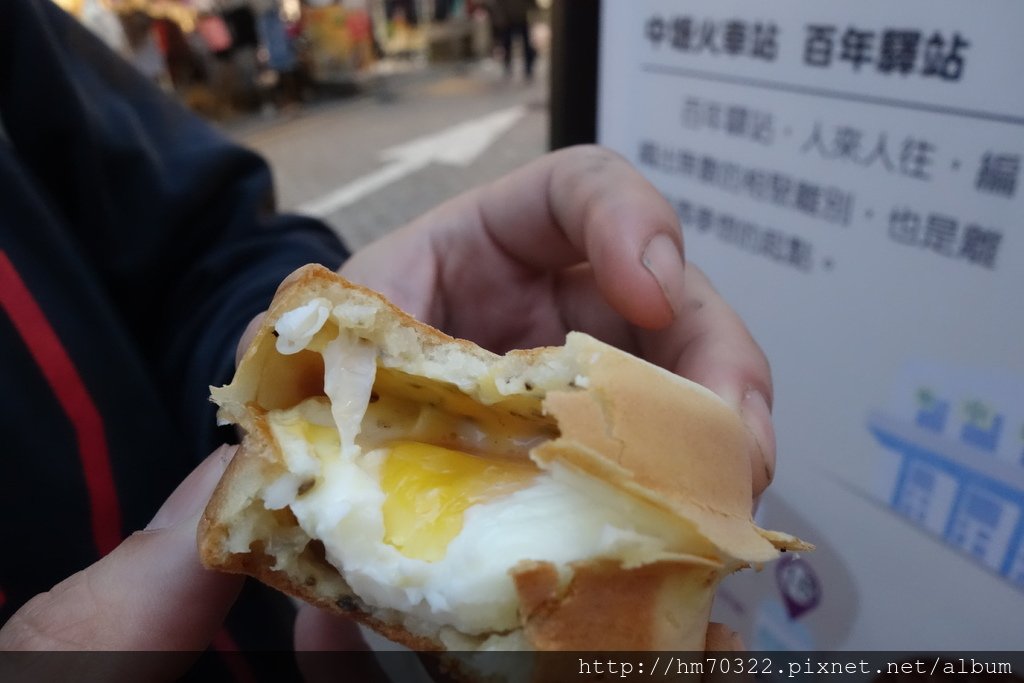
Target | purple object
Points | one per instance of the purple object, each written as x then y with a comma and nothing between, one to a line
798,584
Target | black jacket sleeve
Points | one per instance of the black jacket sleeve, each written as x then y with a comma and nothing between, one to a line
176,220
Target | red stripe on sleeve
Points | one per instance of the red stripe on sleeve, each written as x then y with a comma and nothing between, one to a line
233,659
62,376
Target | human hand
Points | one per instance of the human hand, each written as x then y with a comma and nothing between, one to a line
150,594
577,240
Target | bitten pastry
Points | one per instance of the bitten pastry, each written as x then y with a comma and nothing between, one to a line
561,498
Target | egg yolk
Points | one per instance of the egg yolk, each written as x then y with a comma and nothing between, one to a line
325,440
428,488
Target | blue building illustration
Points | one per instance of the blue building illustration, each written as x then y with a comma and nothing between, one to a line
1015,570
954,486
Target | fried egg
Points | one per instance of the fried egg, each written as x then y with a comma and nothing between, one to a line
424,499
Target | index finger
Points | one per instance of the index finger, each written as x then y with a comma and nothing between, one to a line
585,203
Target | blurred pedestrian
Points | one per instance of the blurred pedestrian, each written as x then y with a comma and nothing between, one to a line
143,49
281,58
512,23
104,22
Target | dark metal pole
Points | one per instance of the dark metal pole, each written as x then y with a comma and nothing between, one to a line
573,82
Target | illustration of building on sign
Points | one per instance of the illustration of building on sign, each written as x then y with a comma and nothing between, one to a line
1015,568
982,427
983,526
959,470
925,496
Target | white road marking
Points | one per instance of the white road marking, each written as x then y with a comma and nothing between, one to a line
459,145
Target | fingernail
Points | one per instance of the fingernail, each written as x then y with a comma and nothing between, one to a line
194,492
664,261
758,417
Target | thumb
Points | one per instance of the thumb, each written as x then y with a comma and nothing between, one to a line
721,638
151,593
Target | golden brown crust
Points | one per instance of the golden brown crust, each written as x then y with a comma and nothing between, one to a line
659,606
665,439
643,430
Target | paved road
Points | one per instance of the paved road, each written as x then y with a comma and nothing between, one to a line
330,146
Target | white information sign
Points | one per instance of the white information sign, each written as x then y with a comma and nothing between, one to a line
849,175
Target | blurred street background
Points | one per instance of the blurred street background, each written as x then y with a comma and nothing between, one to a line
370,112
370,163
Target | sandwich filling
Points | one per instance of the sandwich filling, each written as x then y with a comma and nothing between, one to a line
424,496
